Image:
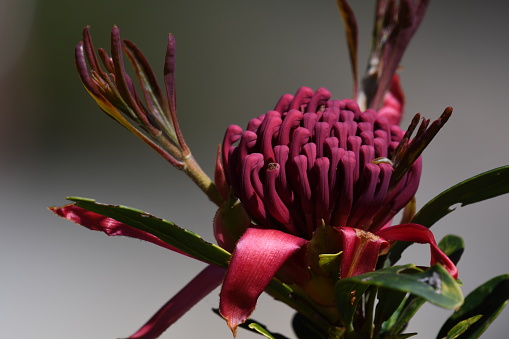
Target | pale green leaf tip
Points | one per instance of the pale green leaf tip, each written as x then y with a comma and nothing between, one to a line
258,328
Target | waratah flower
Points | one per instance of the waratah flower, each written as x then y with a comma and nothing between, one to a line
311,163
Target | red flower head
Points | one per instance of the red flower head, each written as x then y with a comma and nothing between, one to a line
312,161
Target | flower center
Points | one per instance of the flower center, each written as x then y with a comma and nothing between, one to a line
313,160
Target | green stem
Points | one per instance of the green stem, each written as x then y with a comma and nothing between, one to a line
201,179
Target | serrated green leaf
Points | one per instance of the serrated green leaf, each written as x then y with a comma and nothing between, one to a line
435,285
487,300
453,246
481,187
461,327
183,239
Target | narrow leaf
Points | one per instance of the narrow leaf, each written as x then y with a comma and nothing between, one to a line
399,320
487,300
182,239
461,327
260,329
481,187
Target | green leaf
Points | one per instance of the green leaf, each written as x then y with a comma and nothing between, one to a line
481,187
435,285
260,329
400,319
389,301
488,300
453,246
461,327
184,240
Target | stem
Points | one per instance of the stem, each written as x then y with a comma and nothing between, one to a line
200,178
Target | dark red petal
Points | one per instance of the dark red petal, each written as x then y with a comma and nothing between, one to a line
319,98
273,201
291,121
111,227
302,97
232,135
266,133
346,182
422,235
250,197
321,169
300,137
257,257
197,289
283,103
303,190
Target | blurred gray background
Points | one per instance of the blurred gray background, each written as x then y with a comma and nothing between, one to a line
234,61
